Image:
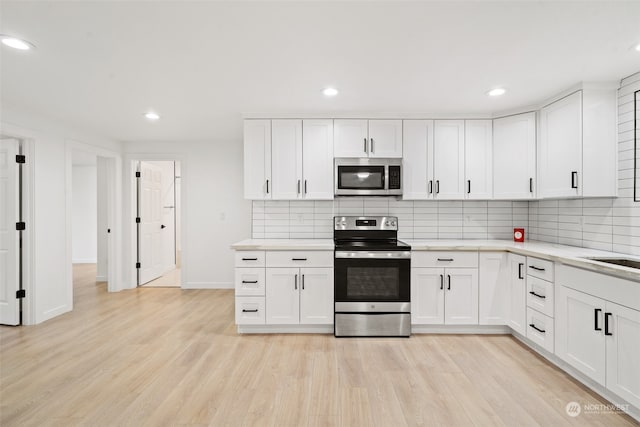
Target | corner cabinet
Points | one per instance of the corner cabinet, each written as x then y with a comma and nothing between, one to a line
368,138
257,159
514,157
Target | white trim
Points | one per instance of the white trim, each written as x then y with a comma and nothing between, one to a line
101,278
285,329
54,312
208,285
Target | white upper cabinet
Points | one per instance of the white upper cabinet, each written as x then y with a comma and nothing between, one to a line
417,160
514,157
478,141
448,154
286,159
257,159
317,159
367,138
577,151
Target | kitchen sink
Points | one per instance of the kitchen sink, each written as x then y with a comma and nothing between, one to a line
619,261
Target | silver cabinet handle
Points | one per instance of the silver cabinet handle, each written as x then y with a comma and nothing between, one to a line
295,282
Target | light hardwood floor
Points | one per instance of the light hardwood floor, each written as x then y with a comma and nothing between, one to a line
164,356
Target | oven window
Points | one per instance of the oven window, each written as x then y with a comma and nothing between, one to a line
361,177
373,283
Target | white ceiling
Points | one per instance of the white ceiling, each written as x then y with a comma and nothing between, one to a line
200,65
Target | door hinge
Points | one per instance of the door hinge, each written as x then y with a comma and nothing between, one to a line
21,294
20,226
21,158
138,174
137,265
137,220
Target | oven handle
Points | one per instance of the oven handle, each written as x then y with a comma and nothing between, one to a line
374,255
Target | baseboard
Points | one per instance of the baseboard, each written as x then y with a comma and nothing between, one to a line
208,285
101,278
84,261
50,314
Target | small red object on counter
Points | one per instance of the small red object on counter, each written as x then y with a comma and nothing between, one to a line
518,234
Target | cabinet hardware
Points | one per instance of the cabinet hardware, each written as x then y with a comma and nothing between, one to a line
250,281
449,277
305,186
536,268
249,259
441,281
298,259
430,186
365,145
267,186
537,295
468,186
244,310
303,282
520,265
295,282
596,312
574,179
445,259
536,328
606,323
437,186
373,150
298,186
530,185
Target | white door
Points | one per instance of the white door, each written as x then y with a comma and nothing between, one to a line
9,236
514,157
282,302
350,138
478,142
417,160
623,352
448,143
461,296
385,138
492,288
517,294
150,227
316,296
580,339
257,159
560,148
168,216
317,159
286,159
427,296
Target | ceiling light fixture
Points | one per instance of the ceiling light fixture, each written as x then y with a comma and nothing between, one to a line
637,47
152,116
330,91
16,43
497,91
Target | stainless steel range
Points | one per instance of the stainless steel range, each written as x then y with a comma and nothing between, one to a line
372,278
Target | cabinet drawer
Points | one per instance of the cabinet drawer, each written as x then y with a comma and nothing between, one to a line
249,281
444,259
300,259
540,268
540,329
249,258
250,311
540,295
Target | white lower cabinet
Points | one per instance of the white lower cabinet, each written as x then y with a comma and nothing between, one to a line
250,311
517,291
299,296
540,329
623,352
492,288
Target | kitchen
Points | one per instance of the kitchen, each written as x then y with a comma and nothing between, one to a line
478,217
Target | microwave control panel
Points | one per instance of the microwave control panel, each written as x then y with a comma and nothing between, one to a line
394,178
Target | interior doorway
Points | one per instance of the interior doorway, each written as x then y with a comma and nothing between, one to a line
158,223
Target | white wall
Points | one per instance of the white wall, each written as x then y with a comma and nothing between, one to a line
84,227
102,221
214,213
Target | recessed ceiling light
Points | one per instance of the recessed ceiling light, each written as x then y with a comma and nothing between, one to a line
16,43
330,91
497,91
637,47
152,116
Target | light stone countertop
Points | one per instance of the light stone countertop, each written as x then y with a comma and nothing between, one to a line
569,255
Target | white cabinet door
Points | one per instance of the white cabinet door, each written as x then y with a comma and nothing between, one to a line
517,314
317,159
427,296
9,237
316,296
461,296
282,296
448,143
579,339
350,138
623,352
560,151
385,138
514,157
417,160
478,142
493,283
257,159
286,159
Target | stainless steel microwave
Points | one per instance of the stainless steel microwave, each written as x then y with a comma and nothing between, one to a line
368,177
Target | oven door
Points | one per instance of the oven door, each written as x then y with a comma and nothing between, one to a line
360,179
372,276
